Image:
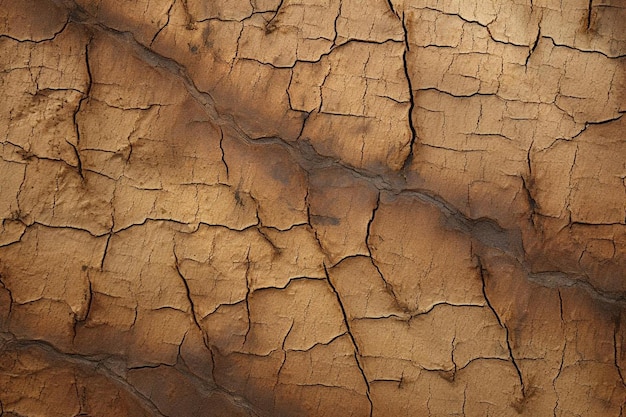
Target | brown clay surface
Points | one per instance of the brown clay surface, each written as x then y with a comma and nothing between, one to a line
312,208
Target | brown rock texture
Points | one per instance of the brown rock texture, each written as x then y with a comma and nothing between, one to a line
312,208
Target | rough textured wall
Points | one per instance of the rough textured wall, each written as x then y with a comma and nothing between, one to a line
312,208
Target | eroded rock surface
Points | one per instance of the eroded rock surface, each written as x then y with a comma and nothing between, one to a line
307,208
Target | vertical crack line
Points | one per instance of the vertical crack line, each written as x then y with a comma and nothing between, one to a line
55,195
571,187
79,164
335,23
357,353
388,286
453,345
236,57
245,338
289,86
532,48
307,205
187,289
556,404
223,153
321,89
409,157
17,214
306,118
515,365
205,340
84,97
308,216
615,354
106,249
483,271
89,300
79,398
369,225
282,364
589,9
179,357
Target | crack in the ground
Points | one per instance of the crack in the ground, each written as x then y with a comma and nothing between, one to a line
503,325
357,353
409,158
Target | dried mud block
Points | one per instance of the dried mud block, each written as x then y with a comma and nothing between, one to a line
312,207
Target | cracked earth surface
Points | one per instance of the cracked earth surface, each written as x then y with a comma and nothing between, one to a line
312,207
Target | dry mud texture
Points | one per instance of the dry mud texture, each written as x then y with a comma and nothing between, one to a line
312,208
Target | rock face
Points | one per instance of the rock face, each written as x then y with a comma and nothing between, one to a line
312,208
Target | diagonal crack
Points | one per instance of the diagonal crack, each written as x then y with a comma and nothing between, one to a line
187,290
357,353
616,353
483,272
158,32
